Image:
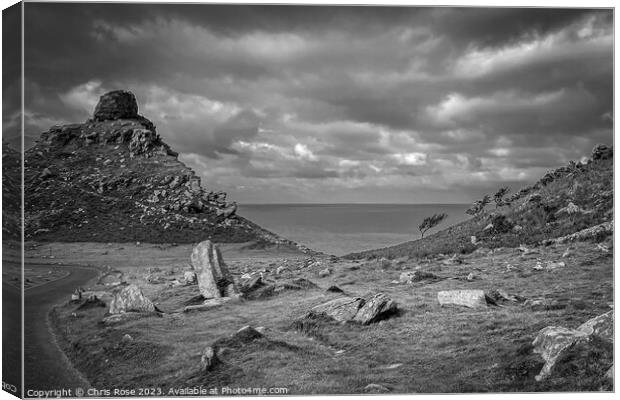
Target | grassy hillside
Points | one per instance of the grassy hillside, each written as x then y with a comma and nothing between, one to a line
535,214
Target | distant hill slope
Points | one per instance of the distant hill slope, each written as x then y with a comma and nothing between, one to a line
566,200
11,192
113,179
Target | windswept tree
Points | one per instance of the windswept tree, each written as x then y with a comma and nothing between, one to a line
499,197
478,207
431,222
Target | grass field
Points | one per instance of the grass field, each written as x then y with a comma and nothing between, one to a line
424,349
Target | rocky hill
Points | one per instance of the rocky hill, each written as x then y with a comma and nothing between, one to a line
574,201
11,193
113,179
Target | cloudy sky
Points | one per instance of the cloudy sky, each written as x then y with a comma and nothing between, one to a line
337,104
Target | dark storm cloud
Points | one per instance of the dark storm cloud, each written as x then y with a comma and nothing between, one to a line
308,99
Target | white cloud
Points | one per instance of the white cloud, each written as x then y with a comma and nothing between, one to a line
83,97
414,159
303,152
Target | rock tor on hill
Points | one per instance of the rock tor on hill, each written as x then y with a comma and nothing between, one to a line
114,179
116,105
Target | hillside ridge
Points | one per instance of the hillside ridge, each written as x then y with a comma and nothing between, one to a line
565,201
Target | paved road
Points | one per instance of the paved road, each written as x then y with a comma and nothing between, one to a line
11,337
46,366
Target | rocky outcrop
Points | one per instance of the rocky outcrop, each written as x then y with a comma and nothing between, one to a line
131,299
584,234
214,279
553,341
119,104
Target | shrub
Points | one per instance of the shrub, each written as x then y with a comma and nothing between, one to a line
499,197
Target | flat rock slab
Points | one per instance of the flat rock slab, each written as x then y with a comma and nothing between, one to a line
356,309
467,298
207,305
341,309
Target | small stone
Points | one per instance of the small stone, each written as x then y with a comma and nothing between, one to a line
325,272
471,276
127,338
189,277
208,359
281,269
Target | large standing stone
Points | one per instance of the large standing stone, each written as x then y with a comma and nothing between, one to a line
378,307
118,104
129,299
467,298
214,279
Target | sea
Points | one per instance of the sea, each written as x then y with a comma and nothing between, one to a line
341,229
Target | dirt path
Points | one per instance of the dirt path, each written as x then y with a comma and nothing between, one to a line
46,366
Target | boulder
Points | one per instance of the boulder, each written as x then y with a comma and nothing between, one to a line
118,104
355,309
214,279
551,342
601,326
341,309
467,298
378,307
129,299
189,277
